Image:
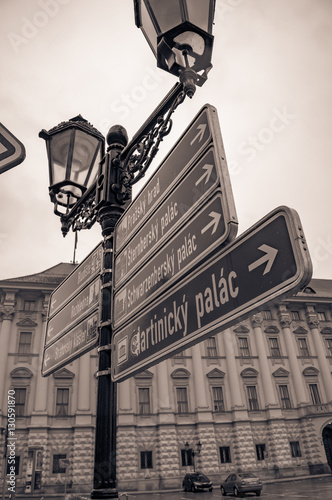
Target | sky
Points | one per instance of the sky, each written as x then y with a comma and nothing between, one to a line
270,82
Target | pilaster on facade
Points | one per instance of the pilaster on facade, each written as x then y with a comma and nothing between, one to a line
243,447
278,446
168,451
286,322
325,369
208,459
127,457
82,458
270,398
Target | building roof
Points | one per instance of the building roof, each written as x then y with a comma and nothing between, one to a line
52,276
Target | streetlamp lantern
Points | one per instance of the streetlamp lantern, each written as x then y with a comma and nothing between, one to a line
179,33
75,149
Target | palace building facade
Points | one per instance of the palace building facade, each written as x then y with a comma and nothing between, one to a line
256,397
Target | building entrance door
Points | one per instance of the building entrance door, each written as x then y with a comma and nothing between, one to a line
327,440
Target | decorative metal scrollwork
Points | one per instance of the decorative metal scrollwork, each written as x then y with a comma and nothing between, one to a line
142,152
82,216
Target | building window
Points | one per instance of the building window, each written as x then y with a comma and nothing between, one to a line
62,402
329,346
57,469
144,401
252,397
314,394
182,400
24,345
20,399
16,465
146,460
274,347
218,399
29,305
225,454
244,347
303,347
186,457
321,316
211,347
284,397
267,314
295,449
295,315
260,452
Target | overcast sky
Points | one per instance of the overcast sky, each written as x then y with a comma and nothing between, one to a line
270,82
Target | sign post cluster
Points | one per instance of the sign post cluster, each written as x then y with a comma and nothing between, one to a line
73,315
179,272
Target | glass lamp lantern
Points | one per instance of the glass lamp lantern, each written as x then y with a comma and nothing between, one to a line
75,149
179,33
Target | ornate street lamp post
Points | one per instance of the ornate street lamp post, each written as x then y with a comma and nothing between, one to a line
89,185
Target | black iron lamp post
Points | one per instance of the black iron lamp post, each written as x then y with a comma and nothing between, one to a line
89,185
193,452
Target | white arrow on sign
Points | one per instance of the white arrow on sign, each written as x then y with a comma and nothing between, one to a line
214,222
207,174
269,257
200,134
47,358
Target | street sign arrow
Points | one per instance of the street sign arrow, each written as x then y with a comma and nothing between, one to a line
12,151
201,131
269,258
216,216
216,295
206,175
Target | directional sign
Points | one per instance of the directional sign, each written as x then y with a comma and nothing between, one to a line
12,151
203,130
192,191
70,346
269,261
187,247
73,314
89,268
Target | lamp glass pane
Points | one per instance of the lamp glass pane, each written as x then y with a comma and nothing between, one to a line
198,13
148,28
59,148
167,13
84,153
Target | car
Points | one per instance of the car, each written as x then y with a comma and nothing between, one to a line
240,483
196,481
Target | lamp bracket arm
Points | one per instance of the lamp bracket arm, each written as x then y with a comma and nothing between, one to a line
137,156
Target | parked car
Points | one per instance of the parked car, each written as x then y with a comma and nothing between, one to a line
196,481
241,483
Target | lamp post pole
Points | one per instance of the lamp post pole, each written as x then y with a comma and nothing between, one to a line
104,480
